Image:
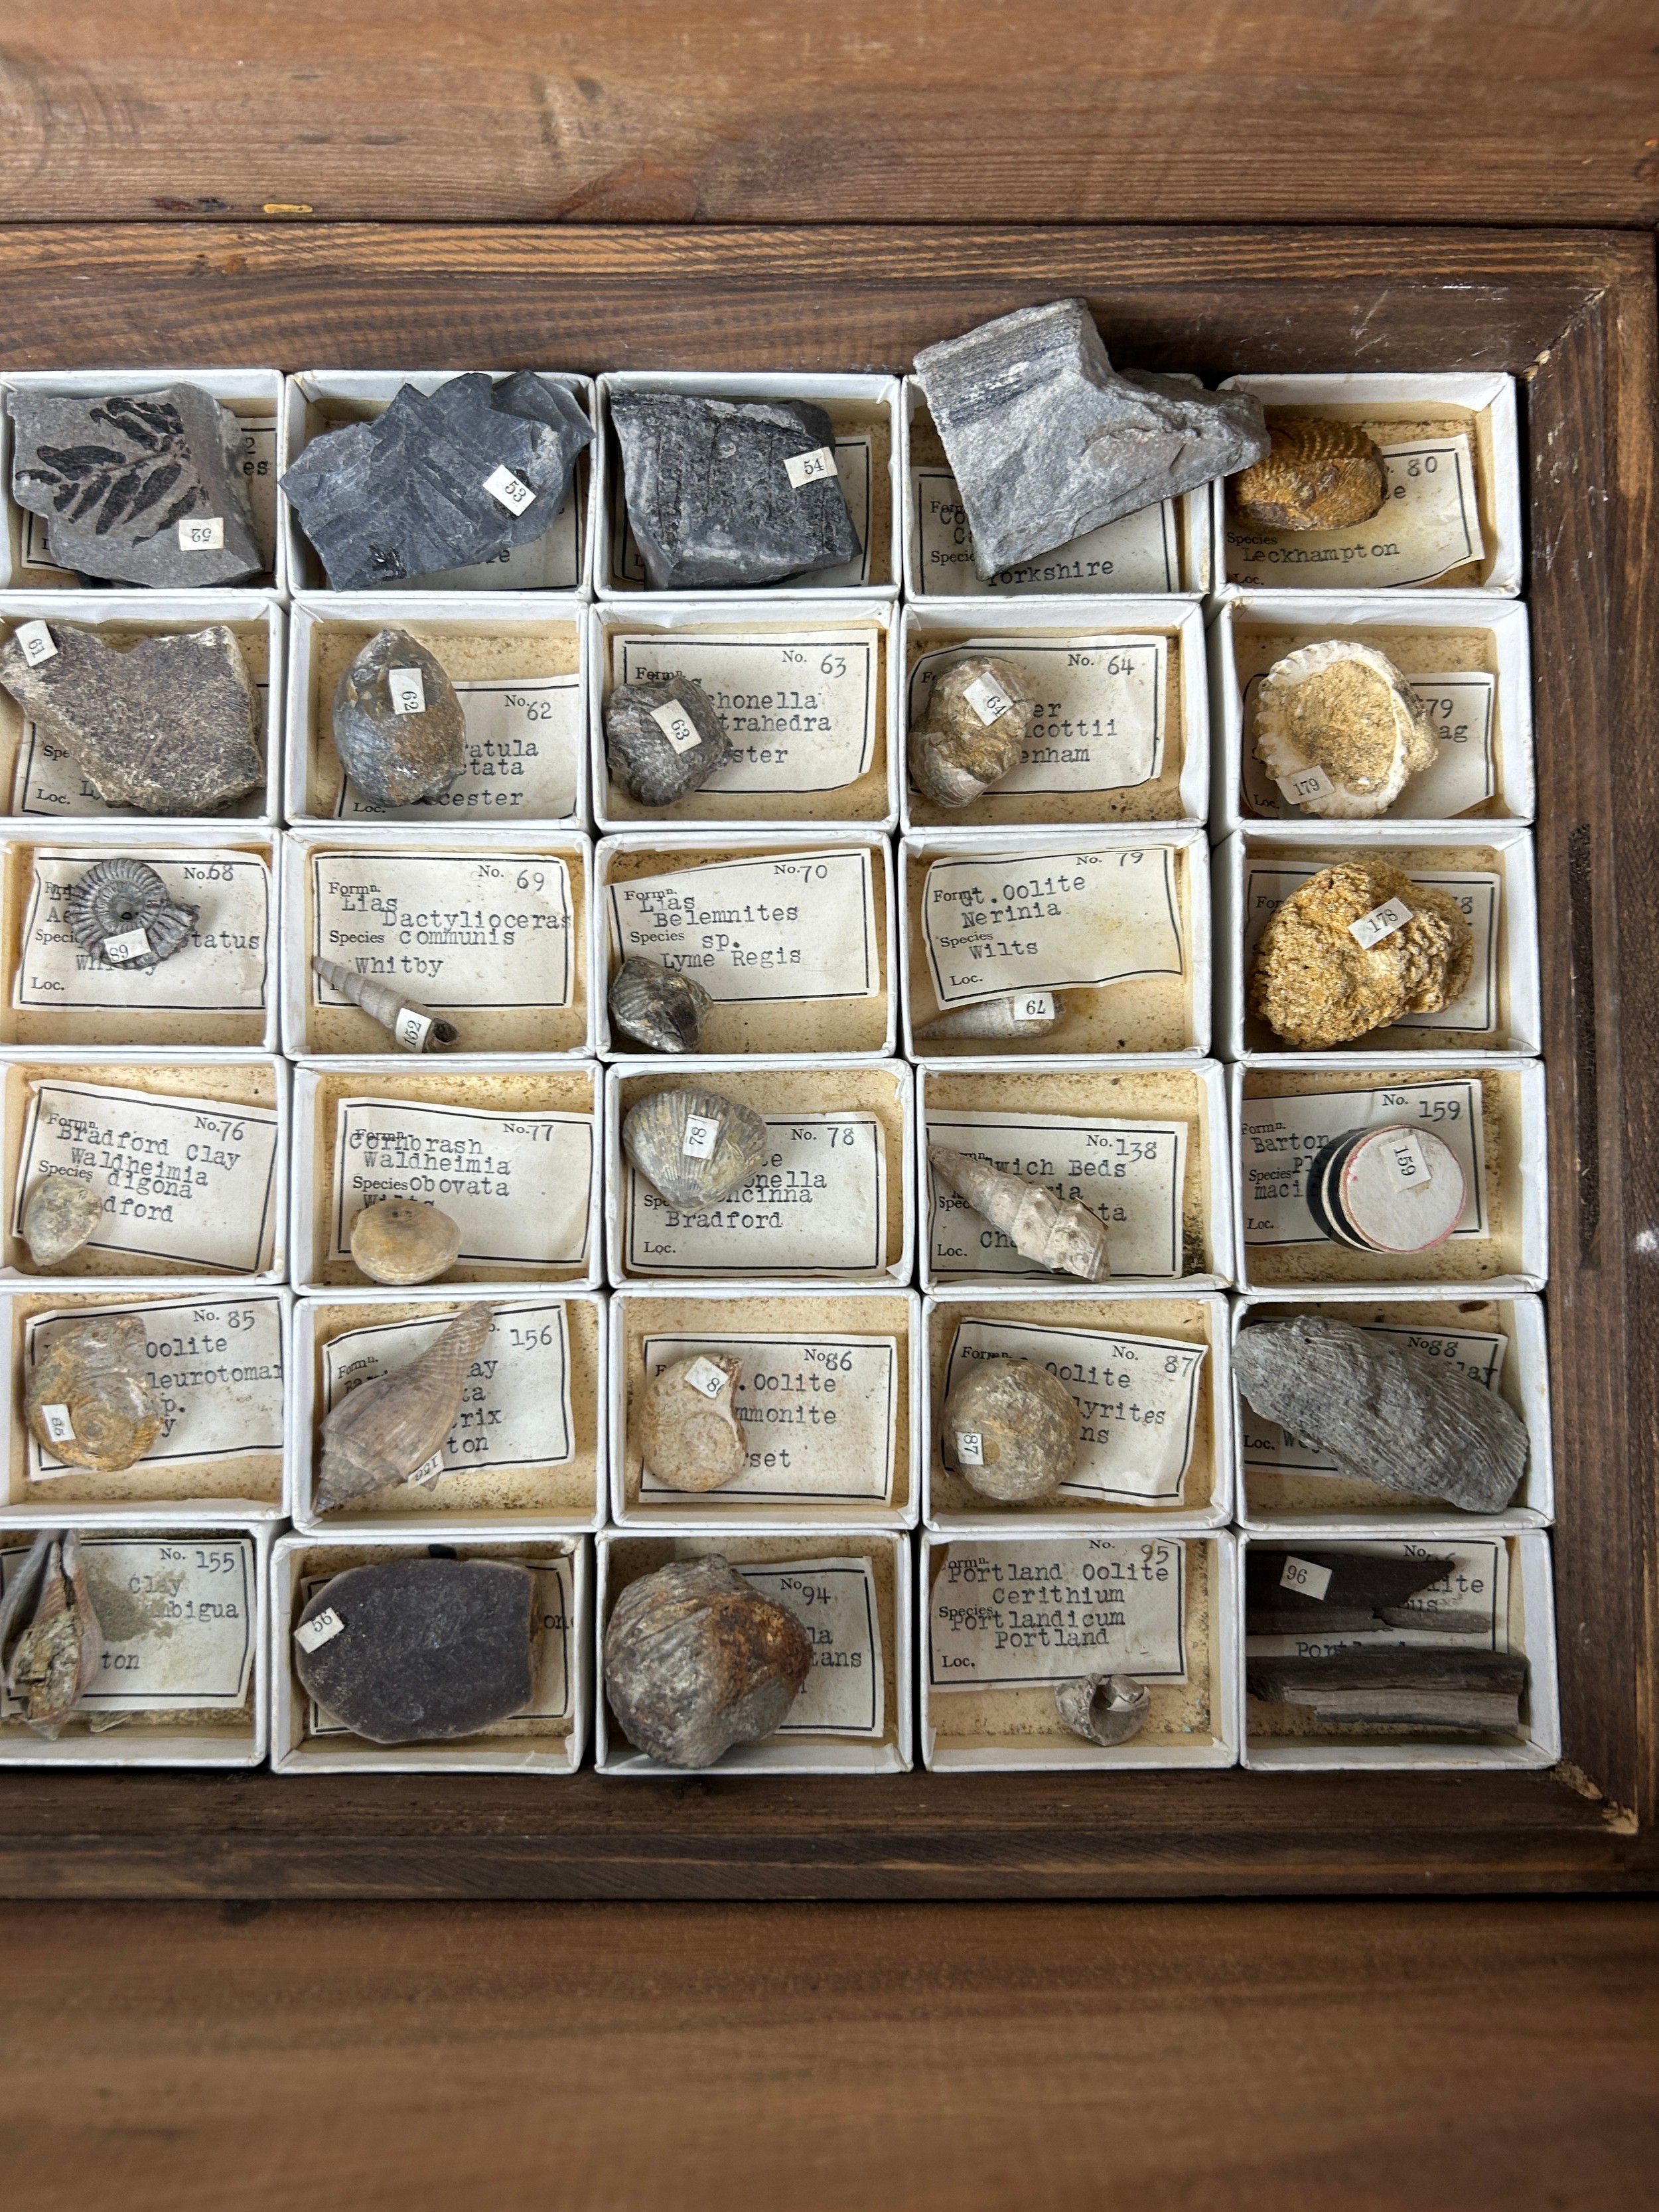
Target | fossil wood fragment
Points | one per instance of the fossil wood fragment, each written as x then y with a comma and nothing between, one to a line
1346,711
397,723
119,911
1317,475
404,1241
1010,1431
979,717
60,1215
412,1026
1385,1412
1047,440
663,741
1399,1687
1314,983
166,727
693,1147
131,486
695,1660
1058,1233
657,1006
1103,1709
386,1431
428,1650
1367,1590
56,1659
87,1402
1013,1015
686,1429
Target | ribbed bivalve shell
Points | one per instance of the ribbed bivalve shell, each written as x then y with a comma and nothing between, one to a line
1058,1233
1347,711
1317,475
1010,1431
657,1006
693,1147
386,1430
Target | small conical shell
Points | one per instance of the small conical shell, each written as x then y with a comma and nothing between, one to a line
58,1655
384,1431
124,899
87,1401
1010,1430
1057,1232
403,1241
978,716
693,1147
1007,1017
1103,1709
687,1429
1316,475
60,1215
413,1027
657,1006
1347,711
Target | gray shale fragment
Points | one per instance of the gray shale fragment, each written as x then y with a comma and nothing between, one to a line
696,1660
709,492
405,495
428,1649
166,727
1047,440
396,759
116,476
657,764
1387,1414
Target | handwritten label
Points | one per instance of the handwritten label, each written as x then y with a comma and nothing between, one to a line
458,932
222,967
817,1205
508,490
206,535
988,699
1139,1397
1006,921
60,1429
1468,1609
1008,1615
1306,785
797,926
1429,523
677,726
799,708
515,1404
1140,552
1460,709
703,1374
524,734
699,1138
214,1363
411,1029
516,1185
1304,1575
322,1628
178,1615
35,642
1132,1174
408,689
1279,1138
189,1181
48,780
853,466
1477,1354
1476,1007
1100,719
804,469
818,1413
835,1601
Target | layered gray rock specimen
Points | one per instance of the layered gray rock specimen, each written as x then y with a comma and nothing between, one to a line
396,756
1356,1593
658,755
428,1647
117,476
1423,1688
712,496
1047,440
410,492
167,726
1384,1412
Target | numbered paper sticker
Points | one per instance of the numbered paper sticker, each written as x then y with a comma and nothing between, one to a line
816,467
223,966
508,490
799,710
1467,1610
408,689
523,738
205,536
677,726
1305,1576
323,1628
35,641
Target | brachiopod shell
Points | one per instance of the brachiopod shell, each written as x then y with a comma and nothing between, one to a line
695,1660
977,721
60,1217
1016,1014
1010,1430
1056,1232
657,1006
383,1432
87,1401
1314,983
404,1240
1317,475
1346,711
693,1147
663,741
58,1655
120,911
410,1024
687,1432
1104,1709
397,753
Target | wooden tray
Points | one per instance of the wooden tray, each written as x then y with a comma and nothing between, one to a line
1572,313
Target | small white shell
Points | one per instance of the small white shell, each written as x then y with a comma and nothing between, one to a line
998,1017
1103,1709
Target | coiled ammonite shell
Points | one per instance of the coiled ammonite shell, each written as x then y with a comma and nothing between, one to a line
119,903
1011,1431
1318,474
687,1429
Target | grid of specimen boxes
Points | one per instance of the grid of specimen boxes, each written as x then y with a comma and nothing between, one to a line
239,1110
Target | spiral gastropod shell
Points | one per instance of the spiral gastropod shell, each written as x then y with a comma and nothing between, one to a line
978,718
1103,1709
87,1402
